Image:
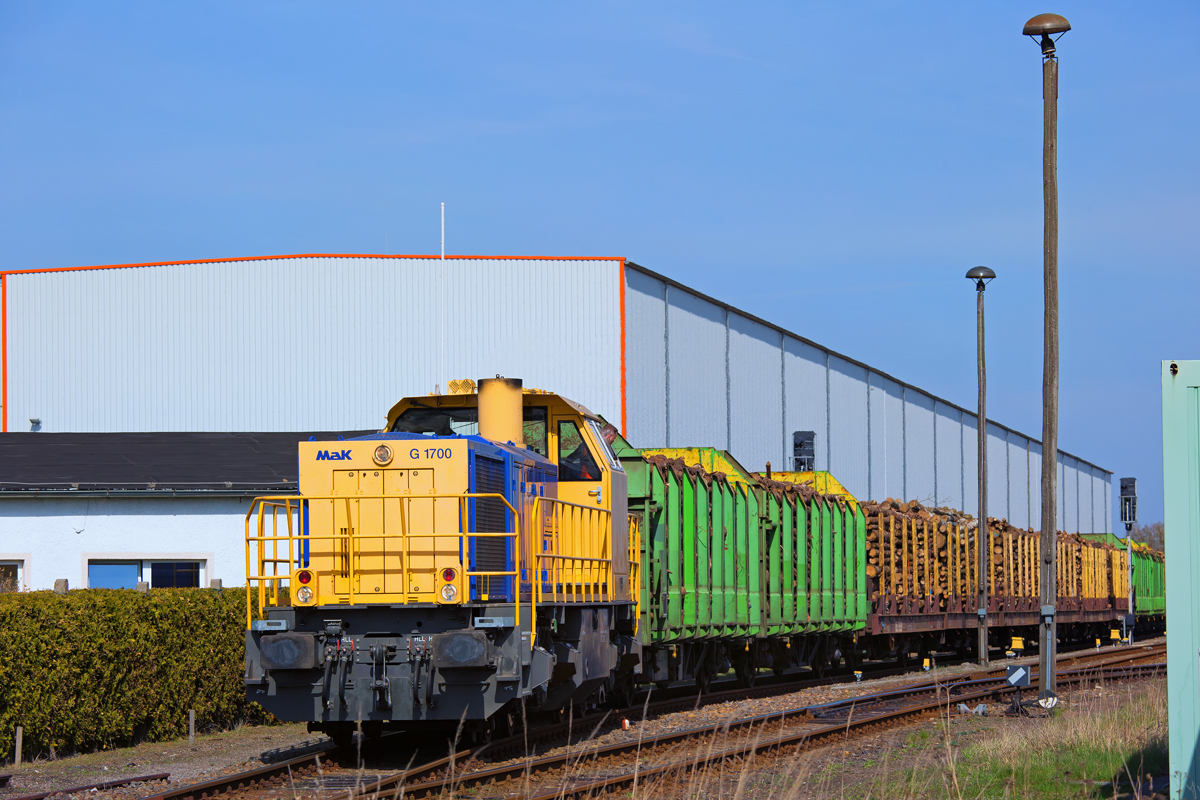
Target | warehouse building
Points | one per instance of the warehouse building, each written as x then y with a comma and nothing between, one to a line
330,342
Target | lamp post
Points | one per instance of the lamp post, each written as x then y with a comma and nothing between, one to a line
1041,28
982,276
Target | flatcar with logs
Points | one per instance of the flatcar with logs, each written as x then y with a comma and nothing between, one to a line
499,552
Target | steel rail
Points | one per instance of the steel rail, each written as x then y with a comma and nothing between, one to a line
276,774
98,787
400,785
812,738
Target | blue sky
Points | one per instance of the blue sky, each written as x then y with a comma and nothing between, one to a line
832,167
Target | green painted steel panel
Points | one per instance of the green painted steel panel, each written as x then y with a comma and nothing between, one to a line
826,567
860,527
687,533
703,513
674,556
814,565
729,543
839,567
718,561
787,542
755,565
1181,490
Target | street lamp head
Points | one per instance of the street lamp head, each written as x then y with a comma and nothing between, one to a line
1045,26
981,276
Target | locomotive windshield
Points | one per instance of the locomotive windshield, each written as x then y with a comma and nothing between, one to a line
464,421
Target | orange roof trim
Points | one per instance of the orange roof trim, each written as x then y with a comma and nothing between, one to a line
435,257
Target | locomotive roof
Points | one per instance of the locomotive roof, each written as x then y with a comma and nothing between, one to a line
529,397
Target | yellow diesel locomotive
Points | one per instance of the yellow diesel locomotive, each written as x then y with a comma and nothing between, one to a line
473,556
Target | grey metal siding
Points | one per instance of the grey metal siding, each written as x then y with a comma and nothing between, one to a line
806,388
949,456
848,424
887,440
755,394
997,455
331,342
1018,480
893,437
878,436
970,464
646,359
699,402
919,447
300,343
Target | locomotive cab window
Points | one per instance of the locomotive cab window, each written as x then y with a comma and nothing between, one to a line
575,460
464,421
607,434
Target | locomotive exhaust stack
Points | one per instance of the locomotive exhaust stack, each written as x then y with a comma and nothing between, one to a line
500,410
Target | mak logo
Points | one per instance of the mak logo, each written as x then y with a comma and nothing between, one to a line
333,455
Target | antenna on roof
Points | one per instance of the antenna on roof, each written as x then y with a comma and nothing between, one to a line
442,306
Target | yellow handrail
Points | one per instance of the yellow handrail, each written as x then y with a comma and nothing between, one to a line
276,579
587,530
635,568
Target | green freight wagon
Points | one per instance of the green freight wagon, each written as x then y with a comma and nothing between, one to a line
741,571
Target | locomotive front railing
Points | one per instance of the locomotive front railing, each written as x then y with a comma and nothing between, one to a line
272,554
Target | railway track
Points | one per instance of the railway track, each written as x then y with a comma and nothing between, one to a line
622,764
333,774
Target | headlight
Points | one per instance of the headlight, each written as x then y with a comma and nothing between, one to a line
449,593
383,455
304,594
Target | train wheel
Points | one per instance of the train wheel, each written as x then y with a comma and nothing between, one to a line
342,735
623,693
704,676
746,669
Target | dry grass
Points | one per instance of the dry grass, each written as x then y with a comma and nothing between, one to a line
1096,737
1098,741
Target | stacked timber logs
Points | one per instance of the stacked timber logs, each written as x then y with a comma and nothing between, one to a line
931,553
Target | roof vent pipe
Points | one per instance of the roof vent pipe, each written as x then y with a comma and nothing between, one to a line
500,410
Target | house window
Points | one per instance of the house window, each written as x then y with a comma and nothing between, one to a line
175,574
10,577
114,574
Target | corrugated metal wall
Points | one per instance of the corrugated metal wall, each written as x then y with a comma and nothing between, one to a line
733,382
300,343
332,342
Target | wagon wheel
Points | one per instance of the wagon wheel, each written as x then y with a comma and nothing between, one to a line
704,676
820,662
623,692
746,669
342,735
502,725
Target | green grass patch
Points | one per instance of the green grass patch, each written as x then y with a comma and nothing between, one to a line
1095,738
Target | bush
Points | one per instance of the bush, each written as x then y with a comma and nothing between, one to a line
107,667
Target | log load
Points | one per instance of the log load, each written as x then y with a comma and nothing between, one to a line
930,553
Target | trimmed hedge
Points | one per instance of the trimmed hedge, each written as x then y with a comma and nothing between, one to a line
107,667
